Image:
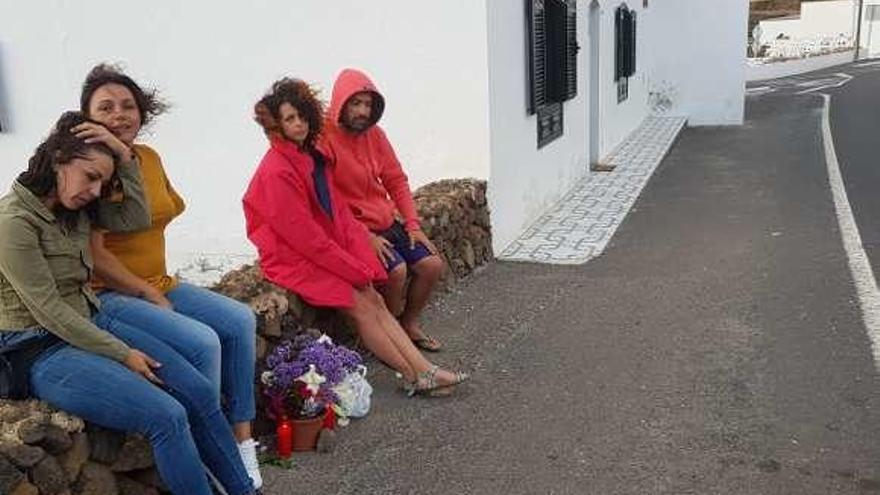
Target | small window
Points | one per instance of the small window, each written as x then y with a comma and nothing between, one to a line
622,89
624,49
549,123
552,61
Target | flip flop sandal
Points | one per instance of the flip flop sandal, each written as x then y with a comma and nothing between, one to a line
428,344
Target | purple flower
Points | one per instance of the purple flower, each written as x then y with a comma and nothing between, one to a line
291,359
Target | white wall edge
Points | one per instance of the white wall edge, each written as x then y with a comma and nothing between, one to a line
761,72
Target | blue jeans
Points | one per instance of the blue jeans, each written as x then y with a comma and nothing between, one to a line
216,334
181,420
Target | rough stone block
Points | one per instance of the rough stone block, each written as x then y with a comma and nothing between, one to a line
96,479
32,431
136,453
104,444
23,456
56,441
25,488
10,476
262,348
128,486
49,477
149,477
73,460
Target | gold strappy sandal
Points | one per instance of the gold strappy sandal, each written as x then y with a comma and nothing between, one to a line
426,384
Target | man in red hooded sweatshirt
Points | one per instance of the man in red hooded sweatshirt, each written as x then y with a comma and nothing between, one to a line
372,180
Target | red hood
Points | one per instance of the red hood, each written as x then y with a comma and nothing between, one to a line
348,83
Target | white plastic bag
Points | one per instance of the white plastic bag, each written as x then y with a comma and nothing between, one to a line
359,404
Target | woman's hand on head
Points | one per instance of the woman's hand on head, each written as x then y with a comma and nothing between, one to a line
91,132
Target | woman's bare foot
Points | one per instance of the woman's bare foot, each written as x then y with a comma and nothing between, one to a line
450,379
436,382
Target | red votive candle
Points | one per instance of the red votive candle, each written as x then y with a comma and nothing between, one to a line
284,432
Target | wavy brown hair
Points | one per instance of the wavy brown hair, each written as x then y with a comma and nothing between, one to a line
301,96
150,104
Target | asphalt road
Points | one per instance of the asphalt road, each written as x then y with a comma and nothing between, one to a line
855,119
715,348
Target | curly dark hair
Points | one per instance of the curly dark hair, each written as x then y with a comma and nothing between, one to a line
301,96
149,104
60,147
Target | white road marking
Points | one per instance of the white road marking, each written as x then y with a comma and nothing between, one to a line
845,79
812,83
760,90
859,265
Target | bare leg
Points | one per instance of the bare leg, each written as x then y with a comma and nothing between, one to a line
397,335
365,315
242,431
426,274
394,290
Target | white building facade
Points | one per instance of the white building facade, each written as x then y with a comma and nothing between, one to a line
821,28
455,74
870,29
703,81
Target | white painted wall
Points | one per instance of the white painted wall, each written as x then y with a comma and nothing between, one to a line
689,51
770,29
435,61
871,29
828,18
618,120
705,80
213,60
526,181
697,53
758,72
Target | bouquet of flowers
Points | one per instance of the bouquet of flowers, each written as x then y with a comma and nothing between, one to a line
306,376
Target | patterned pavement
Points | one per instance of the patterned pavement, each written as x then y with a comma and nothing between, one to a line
580,225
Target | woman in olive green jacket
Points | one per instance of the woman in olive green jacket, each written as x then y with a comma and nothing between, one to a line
51,328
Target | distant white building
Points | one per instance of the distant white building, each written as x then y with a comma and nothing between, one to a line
870,32
524,93
821,28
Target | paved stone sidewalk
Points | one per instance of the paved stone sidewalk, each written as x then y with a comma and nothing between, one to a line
580,225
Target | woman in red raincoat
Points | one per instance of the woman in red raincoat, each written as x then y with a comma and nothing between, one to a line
309,242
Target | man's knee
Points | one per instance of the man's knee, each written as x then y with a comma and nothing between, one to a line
431,266
397,276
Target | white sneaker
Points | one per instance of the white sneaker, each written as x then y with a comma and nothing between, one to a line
248,452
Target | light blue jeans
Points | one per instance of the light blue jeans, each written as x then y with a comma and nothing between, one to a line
182,419
216,334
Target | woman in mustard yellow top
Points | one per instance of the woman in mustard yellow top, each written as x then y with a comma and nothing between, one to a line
214,333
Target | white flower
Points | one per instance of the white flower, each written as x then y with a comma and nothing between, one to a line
341,415
346,398
267,377
312,379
